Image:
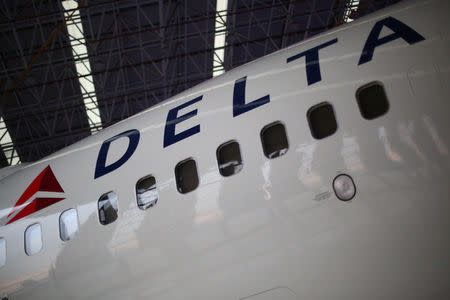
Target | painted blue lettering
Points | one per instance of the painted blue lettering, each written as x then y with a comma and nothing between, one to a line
312,61
172,120
239,106
400,30
101,168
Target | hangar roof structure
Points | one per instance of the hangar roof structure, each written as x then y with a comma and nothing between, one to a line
69,69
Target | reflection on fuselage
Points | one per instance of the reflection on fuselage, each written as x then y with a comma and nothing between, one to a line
390,153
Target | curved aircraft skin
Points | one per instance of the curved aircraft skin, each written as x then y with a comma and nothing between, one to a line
276,229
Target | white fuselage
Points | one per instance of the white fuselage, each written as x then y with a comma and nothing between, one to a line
274,230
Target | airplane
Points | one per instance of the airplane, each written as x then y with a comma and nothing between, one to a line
320,171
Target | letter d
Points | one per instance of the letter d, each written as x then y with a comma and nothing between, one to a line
101,168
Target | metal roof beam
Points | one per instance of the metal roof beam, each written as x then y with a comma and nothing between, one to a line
352,5
82,65
220,35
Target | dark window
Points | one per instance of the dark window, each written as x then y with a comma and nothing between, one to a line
229,158
322,121
274,140
108,208
372,100
146,193
186,176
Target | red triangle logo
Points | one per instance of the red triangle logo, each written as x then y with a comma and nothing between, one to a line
44,182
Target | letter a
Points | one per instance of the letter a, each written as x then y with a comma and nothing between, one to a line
401,30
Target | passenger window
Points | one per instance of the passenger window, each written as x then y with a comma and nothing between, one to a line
372,100
186,176
322,121
68,224
2,252
108,208
146,193
33,239
274,140
229,158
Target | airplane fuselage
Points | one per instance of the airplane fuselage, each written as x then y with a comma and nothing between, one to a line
271,225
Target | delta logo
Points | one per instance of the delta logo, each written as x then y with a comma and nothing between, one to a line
44,191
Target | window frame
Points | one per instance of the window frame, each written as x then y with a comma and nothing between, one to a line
262,139
41,239
98,207
5,248
368,85
240,156
136,192
176,177
308,117
77,221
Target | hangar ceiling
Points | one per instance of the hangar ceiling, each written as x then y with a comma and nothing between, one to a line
115,58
